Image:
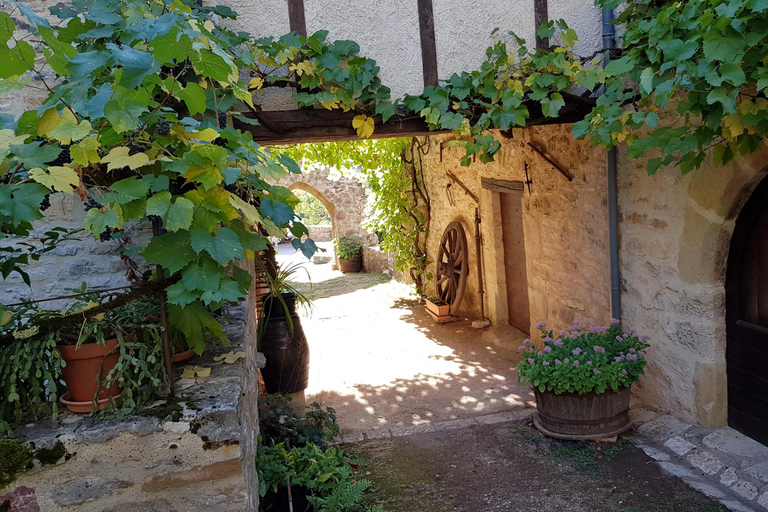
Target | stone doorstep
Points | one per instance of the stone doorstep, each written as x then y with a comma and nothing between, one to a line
194,475
723,464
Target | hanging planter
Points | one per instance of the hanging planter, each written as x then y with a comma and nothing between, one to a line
582,379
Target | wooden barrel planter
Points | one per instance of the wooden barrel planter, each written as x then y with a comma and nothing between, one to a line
582,417
348,266
287,353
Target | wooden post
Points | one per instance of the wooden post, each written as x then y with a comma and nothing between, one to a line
541,16
428,47
296,18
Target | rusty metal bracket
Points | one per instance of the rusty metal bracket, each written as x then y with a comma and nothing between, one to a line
549,160
462,185
528,179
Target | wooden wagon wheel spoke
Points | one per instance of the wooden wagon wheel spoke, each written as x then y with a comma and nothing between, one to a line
452,266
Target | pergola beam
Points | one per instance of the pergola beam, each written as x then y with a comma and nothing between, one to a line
283,127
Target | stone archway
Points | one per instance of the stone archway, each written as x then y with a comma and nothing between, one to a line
676,235
344,198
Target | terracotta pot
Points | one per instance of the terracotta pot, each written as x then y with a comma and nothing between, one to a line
351,265
183,356
82,369
582,417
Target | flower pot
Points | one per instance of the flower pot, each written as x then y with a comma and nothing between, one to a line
348,266
287,353
178,357
439,308
86,369
582,417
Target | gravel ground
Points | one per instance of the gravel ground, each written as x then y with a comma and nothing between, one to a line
511,467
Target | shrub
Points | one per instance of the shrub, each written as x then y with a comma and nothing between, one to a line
581,361
348,247
280,423
329,475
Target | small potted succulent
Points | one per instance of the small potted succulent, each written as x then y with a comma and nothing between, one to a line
581,379
438,309
349,250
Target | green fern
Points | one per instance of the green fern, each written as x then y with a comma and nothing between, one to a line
342,498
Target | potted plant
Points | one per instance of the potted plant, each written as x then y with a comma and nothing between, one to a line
438,309
280,336
582,378
349,250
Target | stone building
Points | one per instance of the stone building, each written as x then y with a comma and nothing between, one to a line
689,246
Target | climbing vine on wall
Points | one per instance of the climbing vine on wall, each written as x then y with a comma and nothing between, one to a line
398,209
691,78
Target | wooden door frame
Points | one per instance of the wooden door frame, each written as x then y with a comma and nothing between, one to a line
495,267
751,213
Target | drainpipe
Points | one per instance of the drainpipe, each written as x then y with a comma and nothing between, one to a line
609,43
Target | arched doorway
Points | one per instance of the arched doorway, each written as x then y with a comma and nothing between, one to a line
747,319
312,191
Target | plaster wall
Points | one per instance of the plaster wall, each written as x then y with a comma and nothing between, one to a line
565,225
675,238
389,31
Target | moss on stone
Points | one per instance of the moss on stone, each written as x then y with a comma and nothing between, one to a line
171,409
48,456
15,457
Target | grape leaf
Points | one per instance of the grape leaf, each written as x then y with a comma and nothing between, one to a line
60,179
224,247
119,158
171,250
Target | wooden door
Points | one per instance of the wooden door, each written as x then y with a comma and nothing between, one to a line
514,260
747,319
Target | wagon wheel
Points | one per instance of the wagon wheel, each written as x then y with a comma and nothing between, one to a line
452,266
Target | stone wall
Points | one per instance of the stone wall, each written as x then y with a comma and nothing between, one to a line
343,196
565,224
83,258
675,237
320,233
182,457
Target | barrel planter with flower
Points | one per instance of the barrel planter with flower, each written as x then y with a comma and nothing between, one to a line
581,379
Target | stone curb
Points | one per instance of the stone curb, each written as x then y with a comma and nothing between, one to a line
442,426
722,464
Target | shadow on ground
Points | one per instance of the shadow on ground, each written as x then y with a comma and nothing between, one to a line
382,362
341,285
512,468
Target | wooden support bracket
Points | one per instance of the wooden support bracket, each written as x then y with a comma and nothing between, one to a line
462,185
549,160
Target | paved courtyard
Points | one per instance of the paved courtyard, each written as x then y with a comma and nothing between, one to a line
397,378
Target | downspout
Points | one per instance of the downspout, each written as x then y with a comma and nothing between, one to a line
609,43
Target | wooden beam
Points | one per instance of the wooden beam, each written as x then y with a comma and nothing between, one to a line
501,185
319,125
541,16
303,126
296,18
428,46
